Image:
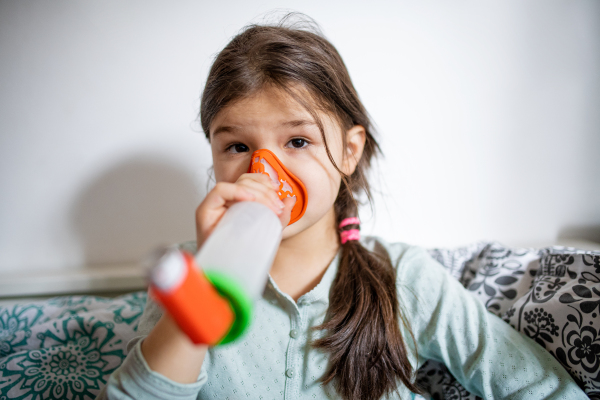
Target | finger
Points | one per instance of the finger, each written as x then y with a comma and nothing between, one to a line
209,212
286,214
268,200
259,187
262,178
225,192
224,195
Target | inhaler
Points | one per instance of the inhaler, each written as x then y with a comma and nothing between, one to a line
211,294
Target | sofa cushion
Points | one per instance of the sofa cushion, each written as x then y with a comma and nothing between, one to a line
65,347
560,312
551,295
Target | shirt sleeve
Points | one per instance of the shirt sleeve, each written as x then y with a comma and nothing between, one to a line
487,356
135,380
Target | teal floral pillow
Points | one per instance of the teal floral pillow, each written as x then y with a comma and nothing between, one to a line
65,347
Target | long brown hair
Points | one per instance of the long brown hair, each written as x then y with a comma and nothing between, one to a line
367,353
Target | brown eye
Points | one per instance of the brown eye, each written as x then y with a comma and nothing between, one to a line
238,147
298,143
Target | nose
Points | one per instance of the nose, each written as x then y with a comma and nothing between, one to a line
266,162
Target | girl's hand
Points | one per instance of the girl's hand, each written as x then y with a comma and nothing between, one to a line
248,187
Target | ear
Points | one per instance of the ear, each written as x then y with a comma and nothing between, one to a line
355,138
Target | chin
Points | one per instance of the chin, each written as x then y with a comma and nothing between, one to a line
293,229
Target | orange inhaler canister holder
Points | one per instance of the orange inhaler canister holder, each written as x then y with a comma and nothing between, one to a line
197,307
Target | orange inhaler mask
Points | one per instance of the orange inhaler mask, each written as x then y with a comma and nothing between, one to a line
265,162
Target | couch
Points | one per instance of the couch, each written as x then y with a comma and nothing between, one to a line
66,347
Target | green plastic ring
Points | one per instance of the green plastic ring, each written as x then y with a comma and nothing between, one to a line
239,300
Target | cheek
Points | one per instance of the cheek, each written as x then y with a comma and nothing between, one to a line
230,171
222,175
322,187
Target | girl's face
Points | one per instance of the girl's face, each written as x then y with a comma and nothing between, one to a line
272,120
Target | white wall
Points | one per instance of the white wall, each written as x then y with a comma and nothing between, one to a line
488,114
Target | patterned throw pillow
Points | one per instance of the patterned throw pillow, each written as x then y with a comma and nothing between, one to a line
496,276
65,347
500,275
560,312
552,295
456,260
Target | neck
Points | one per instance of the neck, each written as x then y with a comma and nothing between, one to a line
303,258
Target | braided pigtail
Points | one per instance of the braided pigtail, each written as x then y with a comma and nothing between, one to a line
366,349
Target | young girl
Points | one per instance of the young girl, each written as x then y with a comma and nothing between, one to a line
342,316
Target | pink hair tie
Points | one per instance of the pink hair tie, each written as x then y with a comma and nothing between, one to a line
348,221
351,234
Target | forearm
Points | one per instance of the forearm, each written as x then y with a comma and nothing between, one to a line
173,372
487,356
504,364
169,352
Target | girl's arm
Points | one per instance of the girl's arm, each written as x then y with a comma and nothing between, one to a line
487,356
168,351
165,364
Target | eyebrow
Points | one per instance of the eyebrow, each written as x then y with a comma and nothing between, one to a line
298,122
225,129
288,124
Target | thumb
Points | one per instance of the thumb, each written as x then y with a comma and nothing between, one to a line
286,215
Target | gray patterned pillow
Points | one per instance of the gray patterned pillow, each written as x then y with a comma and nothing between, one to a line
551,295
500,275
560,312
496,275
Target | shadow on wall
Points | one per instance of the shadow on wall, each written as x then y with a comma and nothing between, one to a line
133,207
589,233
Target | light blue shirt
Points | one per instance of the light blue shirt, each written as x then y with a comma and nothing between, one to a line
274,361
